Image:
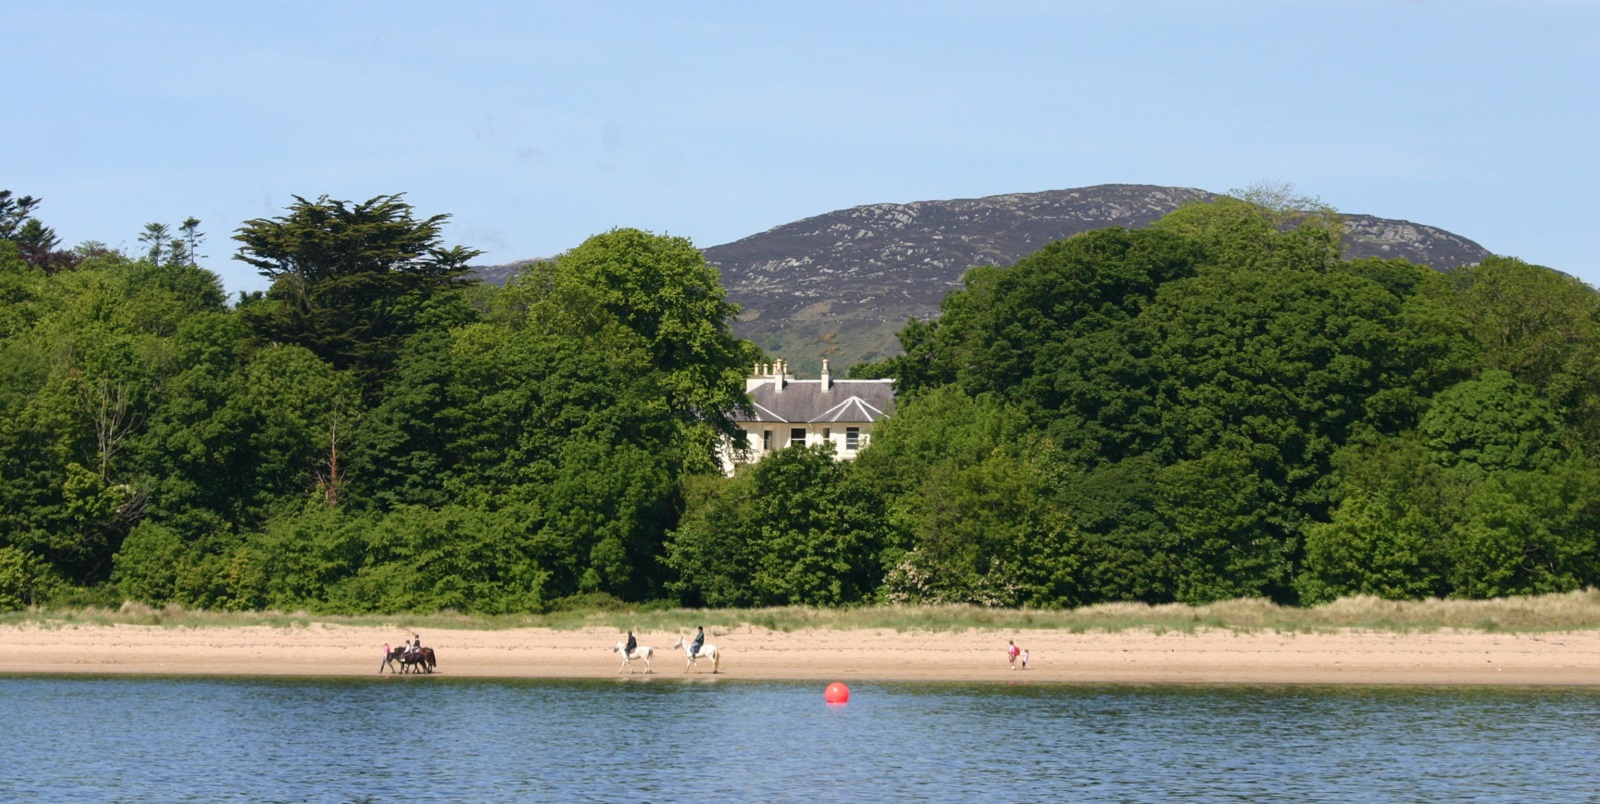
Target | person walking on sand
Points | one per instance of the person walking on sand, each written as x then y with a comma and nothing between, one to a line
1011,653
1024,659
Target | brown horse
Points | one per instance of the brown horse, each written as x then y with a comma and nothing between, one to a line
422,661
391,659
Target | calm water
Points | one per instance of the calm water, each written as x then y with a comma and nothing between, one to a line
440,739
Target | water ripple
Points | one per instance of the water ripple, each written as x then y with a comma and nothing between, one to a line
187,739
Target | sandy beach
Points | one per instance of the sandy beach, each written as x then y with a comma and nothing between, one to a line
1209,656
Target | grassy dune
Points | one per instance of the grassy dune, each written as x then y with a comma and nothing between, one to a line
1558,612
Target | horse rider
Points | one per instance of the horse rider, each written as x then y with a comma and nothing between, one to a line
632,644
699,639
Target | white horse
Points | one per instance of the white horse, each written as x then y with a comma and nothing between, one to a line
640,652
707,651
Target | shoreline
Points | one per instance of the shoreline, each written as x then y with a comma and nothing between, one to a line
1205,656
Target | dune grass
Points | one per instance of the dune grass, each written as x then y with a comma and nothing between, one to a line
1570,611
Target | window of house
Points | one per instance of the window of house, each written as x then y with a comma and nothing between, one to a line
852,438
797,436
827,433
766,440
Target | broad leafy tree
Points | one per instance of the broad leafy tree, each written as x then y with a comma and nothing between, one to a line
791,529
1542,327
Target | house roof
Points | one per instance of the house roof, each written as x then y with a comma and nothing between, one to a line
807,401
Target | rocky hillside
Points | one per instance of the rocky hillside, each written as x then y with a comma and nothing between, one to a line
501,274
839,285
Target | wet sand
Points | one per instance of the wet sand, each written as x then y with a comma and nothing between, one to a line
1210,656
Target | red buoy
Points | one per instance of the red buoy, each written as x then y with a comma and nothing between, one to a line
836,692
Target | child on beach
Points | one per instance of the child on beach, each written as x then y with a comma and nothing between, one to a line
1024,659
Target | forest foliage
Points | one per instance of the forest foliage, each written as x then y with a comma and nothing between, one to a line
1217,406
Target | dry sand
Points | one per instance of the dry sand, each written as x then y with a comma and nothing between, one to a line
1214,656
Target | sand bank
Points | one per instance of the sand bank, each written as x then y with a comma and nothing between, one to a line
1207,656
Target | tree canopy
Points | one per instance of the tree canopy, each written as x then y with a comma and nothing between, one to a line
350,281
1215,406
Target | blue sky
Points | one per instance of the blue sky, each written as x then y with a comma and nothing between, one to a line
536,125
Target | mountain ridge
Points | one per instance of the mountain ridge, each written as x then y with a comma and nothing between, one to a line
840,284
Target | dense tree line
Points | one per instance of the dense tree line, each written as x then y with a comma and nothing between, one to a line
371,433
1216,406
1220,406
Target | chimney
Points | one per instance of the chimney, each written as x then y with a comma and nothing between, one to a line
777,374
827,376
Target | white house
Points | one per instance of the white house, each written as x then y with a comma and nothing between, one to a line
789,411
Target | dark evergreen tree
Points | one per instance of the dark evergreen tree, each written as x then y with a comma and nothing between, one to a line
351,281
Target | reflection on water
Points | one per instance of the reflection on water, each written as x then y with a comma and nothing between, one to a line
144,739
